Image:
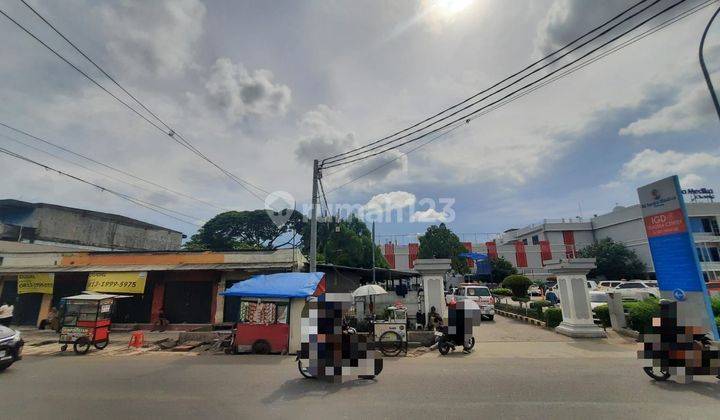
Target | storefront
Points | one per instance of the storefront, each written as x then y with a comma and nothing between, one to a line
181,286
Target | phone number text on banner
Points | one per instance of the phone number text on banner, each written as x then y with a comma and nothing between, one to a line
125,282
36,283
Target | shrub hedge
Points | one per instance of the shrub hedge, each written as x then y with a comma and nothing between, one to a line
553,317
530,313
640,314
603,314
518,284
539,304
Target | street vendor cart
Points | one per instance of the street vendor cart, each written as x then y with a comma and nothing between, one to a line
392,333
85,321
270,308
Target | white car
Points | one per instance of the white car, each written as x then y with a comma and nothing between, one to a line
479,294
608,284
636,289
598,298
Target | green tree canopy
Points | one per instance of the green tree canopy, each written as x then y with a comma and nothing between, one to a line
519,285
441,242
237,230
501,268
345,242
614,260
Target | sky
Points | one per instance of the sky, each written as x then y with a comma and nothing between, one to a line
263,88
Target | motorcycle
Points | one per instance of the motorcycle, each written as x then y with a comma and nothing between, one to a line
446,342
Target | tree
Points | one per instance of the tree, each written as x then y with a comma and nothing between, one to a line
501,268
238,230
345,242
614,260
441,242
519,285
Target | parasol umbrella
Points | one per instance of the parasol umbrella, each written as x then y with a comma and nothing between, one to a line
369,290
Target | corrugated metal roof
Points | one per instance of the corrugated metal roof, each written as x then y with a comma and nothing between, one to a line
22,247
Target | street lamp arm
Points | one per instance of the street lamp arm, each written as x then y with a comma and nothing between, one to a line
704,67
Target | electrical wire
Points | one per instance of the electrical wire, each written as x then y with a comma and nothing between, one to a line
332,158
625,44
154,207
37,149
65,149
173,134
466,116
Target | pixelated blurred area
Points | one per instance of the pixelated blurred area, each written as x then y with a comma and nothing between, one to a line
679,350
327,351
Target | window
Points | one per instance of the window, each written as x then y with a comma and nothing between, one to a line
630,286
714,254
478,291
525,241
535,240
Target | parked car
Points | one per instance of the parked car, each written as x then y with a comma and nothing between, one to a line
534,291
11,345
635,289
598,298
592,285
608,284
480,294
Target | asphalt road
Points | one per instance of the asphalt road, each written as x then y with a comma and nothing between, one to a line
507,376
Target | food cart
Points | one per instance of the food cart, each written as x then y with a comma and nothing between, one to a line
85,321
392,334
270,307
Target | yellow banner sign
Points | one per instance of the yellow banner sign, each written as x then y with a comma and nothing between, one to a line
132,282
36,283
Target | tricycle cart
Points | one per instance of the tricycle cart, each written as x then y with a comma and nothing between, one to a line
85,321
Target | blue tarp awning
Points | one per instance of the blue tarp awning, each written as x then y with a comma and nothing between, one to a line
473,256
280,285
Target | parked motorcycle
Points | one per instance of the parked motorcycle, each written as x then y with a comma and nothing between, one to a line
447,343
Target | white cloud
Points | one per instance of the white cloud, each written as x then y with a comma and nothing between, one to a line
237,92
386,202
692,181
654,164
692,110
158,36
429,216
321,136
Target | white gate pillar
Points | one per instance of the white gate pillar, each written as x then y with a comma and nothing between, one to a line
574,297
433,277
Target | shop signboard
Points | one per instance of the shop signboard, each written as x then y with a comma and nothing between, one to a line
673,252
36,283
117,282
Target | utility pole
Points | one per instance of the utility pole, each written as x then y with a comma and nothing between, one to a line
704,68
373,251
313,218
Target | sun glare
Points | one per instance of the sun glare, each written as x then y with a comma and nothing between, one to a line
450,8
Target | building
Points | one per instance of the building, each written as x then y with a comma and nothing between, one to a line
529,247
184,286
49,224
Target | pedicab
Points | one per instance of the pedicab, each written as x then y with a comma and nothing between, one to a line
85,321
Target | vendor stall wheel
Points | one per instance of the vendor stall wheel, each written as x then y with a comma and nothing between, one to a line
304,371
469,344
82,345
658,375
63,347
102,344
261,347
390,343
444,348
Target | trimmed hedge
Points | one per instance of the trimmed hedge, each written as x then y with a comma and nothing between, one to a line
501,291
518,284
530,313
715,303
603,314
553,317
539,304
640,314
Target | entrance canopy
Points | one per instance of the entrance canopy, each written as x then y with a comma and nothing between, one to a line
280,285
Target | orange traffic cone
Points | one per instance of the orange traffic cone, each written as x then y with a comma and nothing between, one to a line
137,339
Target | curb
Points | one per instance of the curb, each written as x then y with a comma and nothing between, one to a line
522,318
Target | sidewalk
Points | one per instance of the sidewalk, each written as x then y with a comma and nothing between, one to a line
45,342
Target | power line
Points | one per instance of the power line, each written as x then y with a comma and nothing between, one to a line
89,170
173,134
154,207
65,149
466,116
333,158
625,44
